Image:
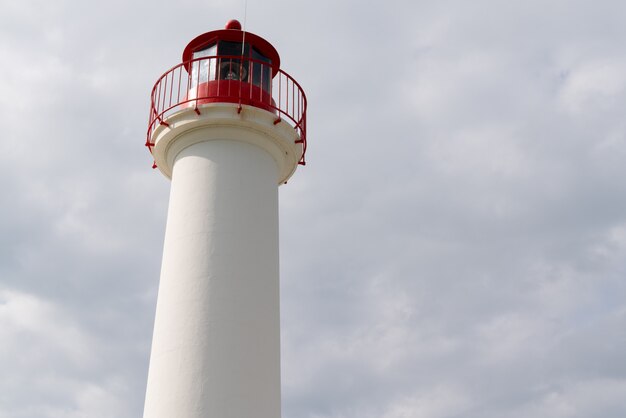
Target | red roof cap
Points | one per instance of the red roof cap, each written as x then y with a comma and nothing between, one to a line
233,24
232,33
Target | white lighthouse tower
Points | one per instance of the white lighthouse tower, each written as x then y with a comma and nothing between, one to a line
227,126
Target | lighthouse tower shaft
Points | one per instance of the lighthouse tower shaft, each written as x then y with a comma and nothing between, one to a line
216,344
216,339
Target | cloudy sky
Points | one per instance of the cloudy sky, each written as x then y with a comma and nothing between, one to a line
456,246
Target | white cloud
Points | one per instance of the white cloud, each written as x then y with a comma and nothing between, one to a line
438,402
594,85
48,360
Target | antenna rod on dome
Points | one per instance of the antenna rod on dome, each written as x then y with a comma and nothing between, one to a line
243,28
243,49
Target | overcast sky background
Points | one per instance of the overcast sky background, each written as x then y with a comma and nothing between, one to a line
456,246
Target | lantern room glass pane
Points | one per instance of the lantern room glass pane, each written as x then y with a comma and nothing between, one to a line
226,48
261,71
204,68
231,67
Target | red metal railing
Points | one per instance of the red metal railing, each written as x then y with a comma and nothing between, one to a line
230,79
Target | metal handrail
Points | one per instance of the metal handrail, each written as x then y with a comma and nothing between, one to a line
200,80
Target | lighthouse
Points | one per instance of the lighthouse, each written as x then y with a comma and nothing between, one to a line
228,126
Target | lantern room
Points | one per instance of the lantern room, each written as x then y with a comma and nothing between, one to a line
228,66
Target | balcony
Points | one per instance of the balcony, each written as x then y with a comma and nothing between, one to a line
228,79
